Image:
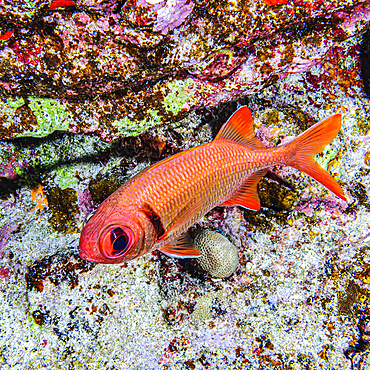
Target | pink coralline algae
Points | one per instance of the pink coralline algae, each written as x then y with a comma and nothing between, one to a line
5,233
9,168
330,204
302,65
107,6
172,14
85,202
153,61
356,19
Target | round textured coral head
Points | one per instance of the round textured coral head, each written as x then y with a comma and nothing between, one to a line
219,257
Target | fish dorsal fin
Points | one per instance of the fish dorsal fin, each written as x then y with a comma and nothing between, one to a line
239,129
181,247
247,195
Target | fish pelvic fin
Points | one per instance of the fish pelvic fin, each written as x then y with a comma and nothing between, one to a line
247,195
182,247
239,129
311,142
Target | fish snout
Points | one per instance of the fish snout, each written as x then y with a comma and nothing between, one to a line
88,248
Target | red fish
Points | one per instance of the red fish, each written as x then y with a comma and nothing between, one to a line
275,2
6,36
61,4
154,208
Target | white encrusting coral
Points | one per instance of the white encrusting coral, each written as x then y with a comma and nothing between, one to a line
219,257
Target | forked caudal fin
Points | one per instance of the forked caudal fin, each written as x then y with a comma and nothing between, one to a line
312,142
239,129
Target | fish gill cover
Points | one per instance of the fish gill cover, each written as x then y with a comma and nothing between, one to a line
92,93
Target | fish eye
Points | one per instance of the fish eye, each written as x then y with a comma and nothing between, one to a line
116,241
119,240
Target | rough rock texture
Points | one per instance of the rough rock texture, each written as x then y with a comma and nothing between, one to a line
119,68
104,69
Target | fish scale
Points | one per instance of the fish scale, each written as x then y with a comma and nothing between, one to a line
154,208
206,177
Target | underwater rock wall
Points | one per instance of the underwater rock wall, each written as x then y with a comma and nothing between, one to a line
93,92
117,68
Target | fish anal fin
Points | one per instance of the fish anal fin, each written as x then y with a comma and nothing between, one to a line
239,129
181,247
247,195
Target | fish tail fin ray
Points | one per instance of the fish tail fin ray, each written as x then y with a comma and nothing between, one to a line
314,141
239,129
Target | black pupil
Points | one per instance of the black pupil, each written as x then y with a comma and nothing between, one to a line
119,240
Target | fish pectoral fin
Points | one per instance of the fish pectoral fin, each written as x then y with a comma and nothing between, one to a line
247,195
239,129
191,211
182,247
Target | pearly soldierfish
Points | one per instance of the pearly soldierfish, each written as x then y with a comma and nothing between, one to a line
154,209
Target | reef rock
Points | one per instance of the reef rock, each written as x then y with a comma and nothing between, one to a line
118,68
153,78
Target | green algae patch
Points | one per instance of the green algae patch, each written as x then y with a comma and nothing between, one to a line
65,178
15,103
68,176
51,115
14,118
34,117
178,95
129,127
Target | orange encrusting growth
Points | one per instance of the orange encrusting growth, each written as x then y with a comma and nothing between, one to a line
179,190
